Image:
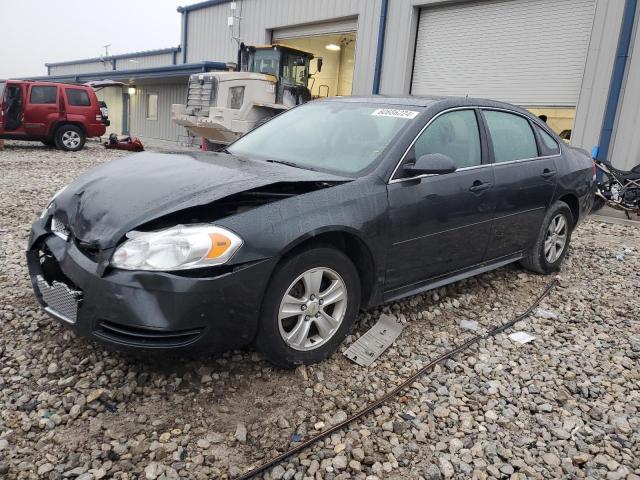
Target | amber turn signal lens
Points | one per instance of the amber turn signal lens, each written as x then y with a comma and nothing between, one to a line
219,245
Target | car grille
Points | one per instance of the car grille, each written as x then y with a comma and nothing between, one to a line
59,229
146,337
201,95
60,300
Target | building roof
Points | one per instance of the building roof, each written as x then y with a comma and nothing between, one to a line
144,53
200,5
181,70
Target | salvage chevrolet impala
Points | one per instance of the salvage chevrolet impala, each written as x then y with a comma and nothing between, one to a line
278,241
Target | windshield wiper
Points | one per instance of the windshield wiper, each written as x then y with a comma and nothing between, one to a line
290,164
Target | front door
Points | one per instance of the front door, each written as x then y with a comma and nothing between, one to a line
441,223
525,180
12,108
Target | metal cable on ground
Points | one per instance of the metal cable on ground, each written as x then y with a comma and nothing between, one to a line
406,383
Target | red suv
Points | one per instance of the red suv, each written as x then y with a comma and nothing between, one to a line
59,114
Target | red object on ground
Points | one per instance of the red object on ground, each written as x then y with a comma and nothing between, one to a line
132,144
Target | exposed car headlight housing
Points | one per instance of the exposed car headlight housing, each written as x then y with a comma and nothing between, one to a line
46,210
177,248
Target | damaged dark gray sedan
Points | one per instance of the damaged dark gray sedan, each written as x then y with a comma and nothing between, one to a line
280,240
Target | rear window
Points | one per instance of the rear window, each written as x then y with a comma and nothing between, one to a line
550,146
78,98
42,95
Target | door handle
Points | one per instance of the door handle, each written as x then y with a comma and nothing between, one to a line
547,173
479,186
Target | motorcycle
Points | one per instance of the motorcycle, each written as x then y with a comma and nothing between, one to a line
618,189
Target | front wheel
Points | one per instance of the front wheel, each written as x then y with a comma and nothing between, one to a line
70,138
552,243
310,305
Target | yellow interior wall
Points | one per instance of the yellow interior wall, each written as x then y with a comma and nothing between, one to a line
337,66
112,96
559,119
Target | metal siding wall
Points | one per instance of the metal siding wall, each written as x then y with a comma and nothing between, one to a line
397,59
597,74
162,129
209,37
529,53
144,62
80,68
625,149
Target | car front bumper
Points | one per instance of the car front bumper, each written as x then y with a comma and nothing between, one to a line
146,310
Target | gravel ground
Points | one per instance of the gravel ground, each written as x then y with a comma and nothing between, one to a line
565,405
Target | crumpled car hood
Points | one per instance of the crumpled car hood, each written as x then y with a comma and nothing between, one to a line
105,203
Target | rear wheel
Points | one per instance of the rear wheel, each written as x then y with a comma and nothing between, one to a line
552,243
70,138
310,305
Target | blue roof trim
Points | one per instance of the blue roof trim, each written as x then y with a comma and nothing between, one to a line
145,53
198,6
182,70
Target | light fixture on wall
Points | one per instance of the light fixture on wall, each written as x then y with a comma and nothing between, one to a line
333,47
131,90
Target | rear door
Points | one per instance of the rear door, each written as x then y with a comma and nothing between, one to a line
79,106
441,223
41,110
525,180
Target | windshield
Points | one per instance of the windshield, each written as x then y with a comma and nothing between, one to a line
334,136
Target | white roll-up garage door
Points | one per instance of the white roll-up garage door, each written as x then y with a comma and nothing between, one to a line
528,52
345,25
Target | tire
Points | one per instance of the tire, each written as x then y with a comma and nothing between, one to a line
298,276
598,203
539,259
70,138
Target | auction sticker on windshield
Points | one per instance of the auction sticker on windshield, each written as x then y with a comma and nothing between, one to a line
393,112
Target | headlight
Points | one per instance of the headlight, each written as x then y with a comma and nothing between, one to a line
177,248
44,212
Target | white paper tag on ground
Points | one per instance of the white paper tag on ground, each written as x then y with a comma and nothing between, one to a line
521,337
469,325
370,346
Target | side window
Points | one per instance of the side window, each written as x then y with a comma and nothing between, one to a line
454,134
42,95
549,145
152,106
78,97
511,135
2,84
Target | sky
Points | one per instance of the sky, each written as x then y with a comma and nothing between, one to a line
36,32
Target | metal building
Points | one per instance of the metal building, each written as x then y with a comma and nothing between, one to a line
575,61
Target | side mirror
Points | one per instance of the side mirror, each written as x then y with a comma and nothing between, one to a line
319,64
430,164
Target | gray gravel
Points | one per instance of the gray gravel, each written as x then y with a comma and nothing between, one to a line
565,405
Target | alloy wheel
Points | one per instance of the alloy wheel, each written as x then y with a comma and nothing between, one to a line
71,139
312,309
555,238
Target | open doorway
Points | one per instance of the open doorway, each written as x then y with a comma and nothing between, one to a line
338,53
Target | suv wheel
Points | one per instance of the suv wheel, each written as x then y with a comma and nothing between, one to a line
70,138
552,243
309,307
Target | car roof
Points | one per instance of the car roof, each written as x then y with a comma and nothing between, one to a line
424,101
